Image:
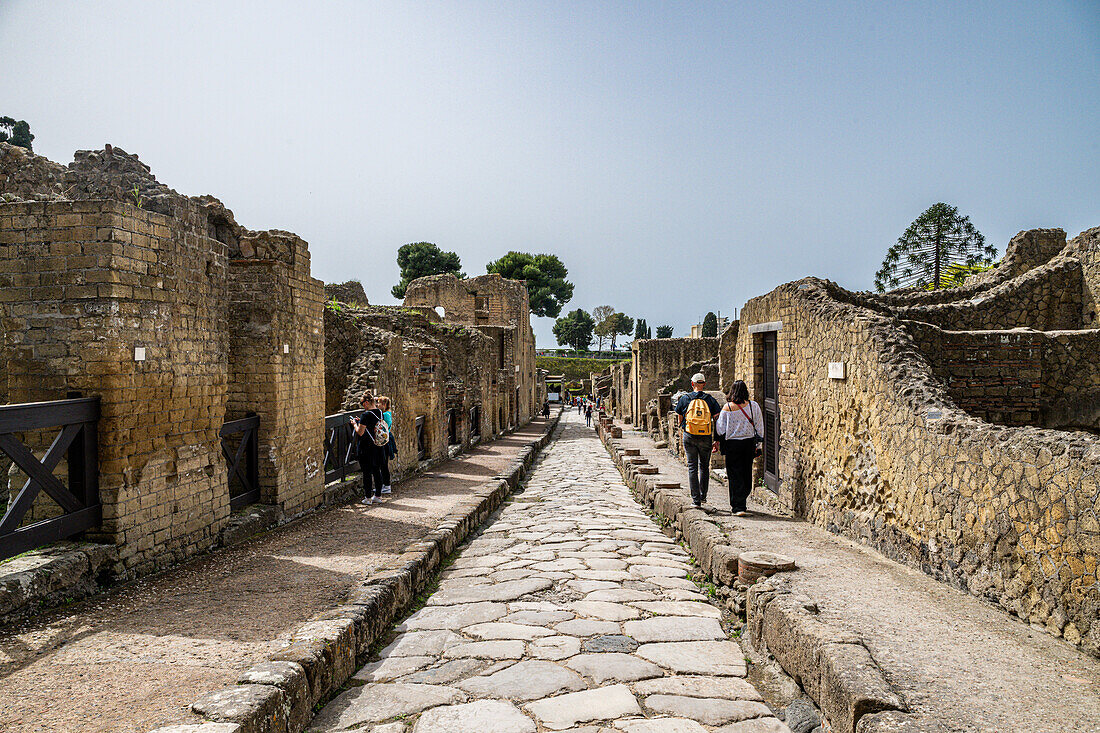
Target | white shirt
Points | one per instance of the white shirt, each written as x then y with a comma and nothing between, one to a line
733,425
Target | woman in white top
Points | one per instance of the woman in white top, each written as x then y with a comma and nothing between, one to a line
741,428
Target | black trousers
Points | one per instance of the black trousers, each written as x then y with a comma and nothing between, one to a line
372,473
385,468
739,457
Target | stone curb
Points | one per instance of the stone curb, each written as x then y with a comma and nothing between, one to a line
66,571
833,666
280,695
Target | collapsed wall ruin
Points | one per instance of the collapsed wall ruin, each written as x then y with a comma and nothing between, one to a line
953,430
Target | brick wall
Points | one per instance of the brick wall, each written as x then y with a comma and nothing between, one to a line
655,361
82,285
994,375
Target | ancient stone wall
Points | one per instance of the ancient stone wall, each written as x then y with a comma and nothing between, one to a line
994,375
86,284
428,369
655,361
501,309
112,284
621,399
276,365
885,454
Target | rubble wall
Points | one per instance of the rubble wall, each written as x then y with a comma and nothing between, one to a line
887,457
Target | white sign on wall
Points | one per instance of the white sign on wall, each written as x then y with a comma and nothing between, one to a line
836,370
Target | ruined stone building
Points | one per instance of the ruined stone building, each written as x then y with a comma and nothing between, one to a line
499,309
179,320
954,430
204,356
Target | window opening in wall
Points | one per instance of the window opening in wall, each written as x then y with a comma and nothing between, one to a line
421,439
475,421
452,426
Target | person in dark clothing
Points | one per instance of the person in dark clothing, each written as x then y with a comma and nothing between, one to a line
698,411
371,456
546,409
588,414
741,429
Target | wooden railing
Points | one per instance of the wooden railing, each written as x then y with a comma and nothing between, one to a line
242,460
76,443
341,446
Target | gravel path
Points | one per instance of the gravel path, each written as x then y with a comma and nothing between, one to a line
955,659
136,658
571,611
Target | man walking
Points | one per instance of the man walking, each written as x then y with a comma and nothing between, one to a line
698,411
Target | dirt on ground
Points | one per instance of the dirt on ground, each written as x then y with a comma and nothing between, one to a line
136,658
955,659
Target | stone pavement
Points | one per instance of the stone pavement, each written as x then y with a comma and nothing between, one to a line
570,611
955,659
137,657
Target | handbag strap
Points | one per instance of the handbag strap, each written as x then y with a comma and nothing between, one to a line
749,418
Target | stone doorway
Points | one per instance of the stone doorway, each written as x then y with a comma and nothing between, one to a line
770,405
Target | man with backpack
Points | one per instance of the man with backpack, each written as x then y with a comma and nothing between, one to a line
698,411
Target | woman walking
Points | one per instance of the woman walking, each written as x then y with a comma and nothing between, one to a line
741,428
371,455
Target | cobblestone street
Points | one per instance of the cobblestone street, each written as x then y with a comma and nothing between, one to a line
570,611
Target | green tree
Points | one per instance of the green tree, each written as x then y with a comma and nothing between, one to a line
940,239
574,330
664,332
710,325
16,132
547,288
640,329
620,325
420,259
600,315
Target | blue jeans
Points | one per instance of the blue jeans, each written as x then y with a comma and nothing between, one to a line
697,449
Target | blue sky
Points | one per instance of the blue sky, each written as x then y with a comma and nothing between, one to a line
678,157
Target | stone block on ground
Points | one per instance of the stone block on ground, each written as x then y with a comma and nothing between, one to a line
256,708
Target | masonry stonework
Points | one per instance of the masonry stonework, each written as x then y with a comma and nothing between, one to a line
899,453
113,285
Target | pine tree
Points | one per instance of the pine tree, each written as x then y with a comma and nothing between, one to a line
933,251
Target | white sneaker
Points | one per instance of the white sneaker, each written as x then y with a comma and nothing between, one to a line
386,490
368,500
378,499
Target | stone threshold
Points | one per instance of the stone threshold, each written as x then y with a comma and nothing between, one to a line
281,694
832,665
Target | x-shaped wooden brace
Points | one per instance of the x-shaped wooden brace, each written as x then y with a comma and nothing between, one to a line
235,461
40,474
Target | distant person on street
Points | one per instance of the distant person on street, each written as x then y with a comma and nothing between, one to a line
741,430
698,411
391,447
588,415
546,408
371,454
